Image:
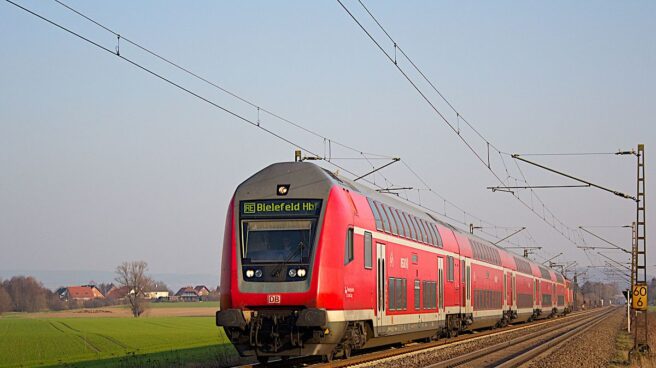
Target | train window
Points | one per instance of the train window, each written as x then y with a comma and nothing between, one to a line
392,223
420,236
367,250
276,240
468,283
383,216
348,251
462,271
422,230
426,291
410,232
431,232
399,223
430,292
374,209
437,236
391,301
415,258
428,233
413,229
399,294
416,225
417,294
449,268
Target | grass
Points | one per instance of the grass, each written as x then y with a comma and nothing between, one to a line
623,344
184,305
114,341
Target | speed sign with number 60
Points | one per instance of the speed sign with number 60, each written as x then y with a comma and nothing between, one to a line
639,297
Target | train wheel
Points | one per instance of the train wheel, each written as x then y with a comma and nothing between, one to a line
263,359
328,357
347,351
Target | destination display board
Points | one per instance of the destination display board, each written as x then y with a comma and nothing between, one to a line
639,297
280,208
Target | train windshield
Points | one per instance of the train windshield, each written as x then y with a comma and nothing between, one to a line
286,241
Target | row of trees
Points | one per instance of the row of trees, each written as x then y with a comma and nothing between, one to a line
26,294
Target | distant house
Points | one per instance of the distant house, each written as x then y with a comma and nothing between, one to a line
83,292
188,294
159,292
118,293
202,291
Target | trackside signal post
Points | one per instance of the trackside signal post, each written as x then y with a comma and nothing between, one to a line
639,292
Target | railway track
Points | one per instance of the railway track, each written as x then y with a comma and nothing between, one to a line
553,325
520,350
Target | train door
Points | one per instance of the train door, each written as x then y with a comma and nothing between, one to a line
463,297
440,284
468,305
380,284
514,292
505,289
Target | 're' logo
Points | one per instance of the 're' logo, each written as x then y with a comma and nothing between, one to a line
273,299
249,207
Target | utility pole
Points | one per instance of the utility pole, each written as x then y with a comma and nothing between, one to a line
641,340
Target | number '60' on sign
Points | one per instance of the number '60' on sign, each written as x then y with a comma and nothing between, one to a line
639,294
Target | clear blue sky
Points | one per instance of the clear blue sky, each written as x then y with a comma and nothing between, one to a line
101,163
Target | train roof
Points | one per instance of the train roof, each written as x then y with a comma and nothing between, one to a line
425,213
310,175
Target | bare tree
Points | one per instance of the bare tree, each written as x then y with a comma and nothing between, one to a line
6,304
27,294
133,276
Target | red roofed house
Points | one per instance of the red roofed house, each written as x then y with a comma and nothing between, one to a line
202,291
117,293
84,292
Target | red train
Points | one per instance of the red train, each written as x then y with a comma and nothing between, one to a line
316,264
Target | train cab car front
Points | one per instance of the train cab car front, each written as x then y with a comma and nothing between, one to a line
272,305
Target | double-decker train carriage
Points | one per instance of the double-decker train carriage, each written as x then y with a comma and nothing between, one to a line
316,264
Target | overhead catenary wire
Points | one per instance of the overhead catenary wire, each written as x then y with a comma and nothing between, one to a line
554,222
172,83
214,104
214,84
365,155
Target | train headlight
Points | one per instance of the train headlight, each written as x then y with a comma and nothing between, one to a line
292,272
250,273
258,273
301,272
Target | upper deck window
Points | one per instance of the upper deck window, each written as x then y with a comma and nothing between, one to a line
437,235
411,230
399,223
428,232
395,230
422,237
383,216
377,217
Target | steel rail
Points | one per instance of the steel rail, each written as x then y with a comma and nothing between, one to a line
369,357
514,352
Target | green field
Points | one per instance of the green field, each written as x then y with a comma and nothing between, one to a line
131,342
184,305
175,305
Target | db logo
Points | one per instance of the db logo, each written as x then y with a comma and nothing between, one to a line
273,299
